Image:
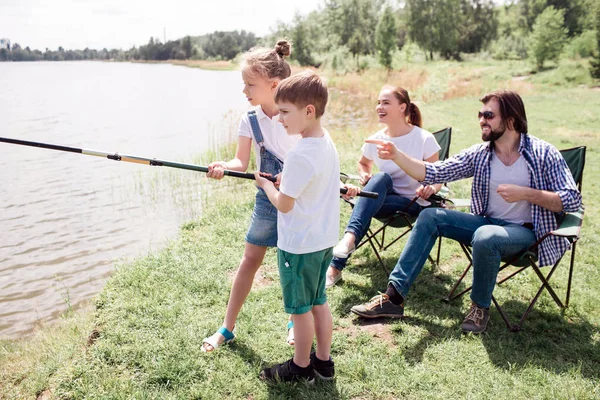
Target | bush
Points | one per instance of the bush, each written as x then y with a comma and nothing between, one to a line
509,48
581,46
548,36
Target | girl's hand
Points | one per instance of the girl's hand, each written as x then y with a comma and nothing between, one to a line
425,192
386,150
364,179
215,170
352,191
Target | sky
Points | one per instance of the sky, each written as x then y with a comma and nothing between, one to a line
77,24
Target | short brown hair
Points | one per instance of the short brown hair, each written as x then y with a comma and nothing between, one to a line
511,107
303,89
268,63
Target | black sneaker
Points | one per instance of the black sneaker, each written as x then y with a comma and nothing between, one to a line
379,306
324,370
477,319
288,372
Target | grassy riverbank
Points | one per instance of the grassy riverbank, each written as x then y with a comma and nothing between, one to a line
142,337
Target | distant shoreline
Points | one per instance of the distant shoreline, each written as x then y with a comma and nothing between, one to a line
202,64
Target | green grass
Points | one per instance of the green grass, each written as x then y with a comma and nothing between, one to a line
154,312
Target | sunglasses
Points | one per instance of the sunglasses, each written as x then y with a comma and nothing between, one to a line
486,115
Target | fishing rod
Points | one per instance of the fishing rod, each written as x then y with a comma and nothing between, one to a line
149,161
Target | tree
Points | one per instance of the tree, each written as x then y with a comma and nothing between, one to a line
353,23
451,26
386,37
574,13
548,36
186,46
595,62
301,51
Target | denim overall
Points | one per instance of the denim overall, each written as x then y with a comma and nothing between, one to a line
263,224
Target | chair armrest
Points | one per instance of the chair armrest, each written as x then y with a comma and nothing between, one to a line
444,193
459,203
570,226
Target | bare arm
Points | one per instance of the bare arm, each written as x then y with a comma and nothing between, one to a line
426,191
238,163
543,198
282,202
388,151
365,169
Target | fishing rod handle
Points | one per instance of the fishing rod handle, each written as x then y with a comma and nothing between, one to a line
363,193
245,175
371,195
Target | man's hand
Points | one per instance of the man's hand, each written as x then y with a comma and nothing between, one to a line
511,193
386,150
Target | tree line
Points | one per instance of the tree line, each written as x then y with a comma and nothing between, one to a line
540,30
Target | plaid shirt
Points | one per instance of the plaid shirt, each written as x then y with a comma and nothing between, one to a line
547,171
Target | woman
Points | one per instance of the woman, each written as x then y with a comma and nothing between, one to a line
395,188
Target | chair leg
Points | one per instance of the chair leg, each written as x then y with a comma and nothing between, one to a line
545,282
451,296
379,257
570,274
511,327
437,260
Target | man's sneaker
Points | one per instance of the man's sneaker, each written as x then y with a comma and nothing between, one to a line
288,372
324,370
476,320
379,306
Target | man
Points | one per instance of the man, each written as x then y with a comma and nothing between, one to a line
519,183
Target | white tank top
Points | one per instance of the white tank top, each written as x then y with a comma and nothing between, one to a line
517,174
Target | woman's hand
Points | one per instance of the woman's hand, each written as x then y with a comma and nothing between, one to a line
425,192
352,191
364,179
216,170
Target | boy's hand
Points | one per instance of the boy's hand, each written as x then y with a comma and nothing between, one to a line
261,181
278,181
425,192
215,170
386,150
352,191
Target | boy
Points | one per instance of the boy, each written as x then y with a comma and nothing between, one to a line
307,226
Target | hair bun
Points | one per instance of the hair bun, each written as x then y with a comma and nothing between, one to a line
283,48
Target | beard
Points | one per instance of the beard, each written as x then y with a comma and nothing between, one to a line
494,134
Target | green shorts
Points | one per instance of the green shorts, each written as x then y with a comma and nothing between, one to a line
302,279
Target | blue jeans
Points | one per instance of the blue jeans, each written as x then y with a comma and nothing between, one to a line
386,204
491,239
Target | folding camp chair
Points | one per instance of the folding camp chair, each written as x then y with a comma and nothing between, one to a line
400,219
569,228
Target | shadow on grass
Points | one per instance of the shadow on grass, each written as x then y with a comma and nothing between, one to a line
317,391
548,340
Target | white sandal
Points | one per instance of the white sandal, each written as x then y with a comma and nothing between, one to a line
214,339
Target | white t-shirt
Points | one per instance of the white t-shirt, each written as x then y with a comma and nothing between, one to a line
518,212
311,175
418,143
275,138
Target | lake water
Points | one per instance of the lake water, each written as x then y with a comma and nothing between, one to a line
65,218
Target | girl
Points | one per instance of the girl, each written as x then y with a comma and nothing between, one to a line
262,70
395,188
